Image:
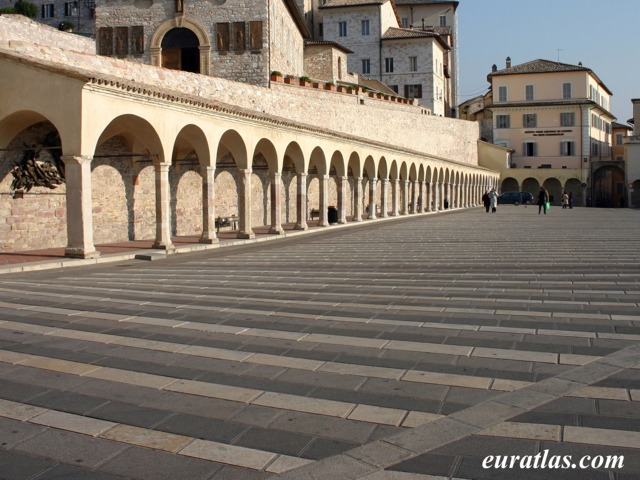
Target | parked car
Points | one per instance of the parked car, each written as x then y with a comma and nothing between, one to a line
515,198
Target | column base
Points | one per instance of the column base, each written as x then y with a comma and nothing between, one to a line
75,252
342,221
301,226
170,248
246,235
276,231
208,240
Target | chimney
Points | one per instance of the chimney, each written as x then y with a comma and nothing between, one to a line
508,62
494,68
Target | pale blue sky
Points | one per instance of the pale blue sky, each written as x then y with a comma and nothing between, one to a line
603,35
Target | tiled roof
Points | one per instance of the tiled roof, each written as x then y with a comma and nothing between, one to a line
545,66
427,2
407,33
352,3
315,43
540,66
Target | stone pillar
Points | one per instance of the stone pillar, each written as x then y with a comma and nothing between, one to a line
372,198
276,204
436,197
163,208
79,208
405,198
244,207
323,218
208,205
384,185
342,196
357,199
301,202
421,196
414,196
395,185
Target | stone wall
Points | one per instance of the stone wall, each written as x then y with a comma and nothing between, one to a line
375,120
18,27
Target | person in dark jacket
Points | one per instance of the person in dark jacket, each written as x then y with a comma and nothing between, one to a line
543,198
486,201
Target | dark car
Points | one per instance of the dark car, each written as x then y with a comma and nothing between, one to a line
515,198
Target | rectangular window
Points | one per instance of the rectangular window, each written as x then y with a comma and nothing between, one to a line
388,65
566,90
366,66
567,149
69,10
529,120
443,20
503,121
321,29
394,88
528,92
502,94
567,119
619,139
413,64
413,91
47,10
342,29
365,27
405,23
530,149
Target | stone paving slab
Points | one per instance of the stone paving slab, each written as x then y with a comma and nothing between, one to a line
345,357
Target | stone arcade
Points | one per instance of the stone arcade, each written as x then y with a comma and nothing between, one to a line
152,153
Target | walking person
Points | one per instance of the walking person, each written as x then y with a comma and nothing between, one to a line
543,198
486,201
565,201
570,199
493,197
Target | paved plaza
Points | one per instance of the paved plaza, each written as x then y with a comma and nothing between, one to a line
422,347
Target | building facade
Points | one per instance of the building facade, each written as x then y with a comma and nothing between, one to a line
556,117
632,156
416,61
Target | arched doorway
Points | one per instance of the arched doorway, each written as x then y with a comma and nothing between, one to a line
180,50
608,187
510,184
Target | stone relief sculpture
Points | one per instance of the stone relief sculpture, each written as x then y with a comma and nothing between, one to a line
105,41
137,40
222,36
255,35
122,41
238,36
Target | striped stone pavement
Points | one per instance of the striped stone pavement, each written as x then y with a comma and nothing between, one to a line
403,349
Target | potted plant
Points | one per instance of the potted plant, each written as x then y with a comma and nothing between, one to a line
276,76
305,81
289,79
330,86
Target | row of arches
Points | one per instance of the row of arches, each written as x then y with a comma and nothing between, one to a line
137,184
553,185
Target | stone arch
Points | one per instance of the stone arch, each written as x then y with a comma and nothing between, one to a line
634,197
531,185
608,187
204,42
574,189
554,187
509,184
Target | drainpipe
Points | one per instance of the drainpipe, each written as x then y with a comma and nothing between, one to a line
380,48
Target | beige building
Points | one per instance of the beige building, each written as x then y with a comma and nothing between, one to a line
556,120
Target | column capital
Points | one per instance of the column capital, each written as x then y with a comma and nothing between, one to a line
79,159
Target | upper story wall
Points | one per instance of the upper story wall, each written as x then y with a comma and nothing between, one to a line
369,119
287,44
413,14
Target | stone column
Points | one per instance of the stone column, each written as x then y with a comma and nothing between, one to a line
421,196
436,197
357,199
372,198
163,208
276,204
429,197
405,198
244,207
323,218
395,185
384,185
208,205
414,197
79,208
342,196
301,202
